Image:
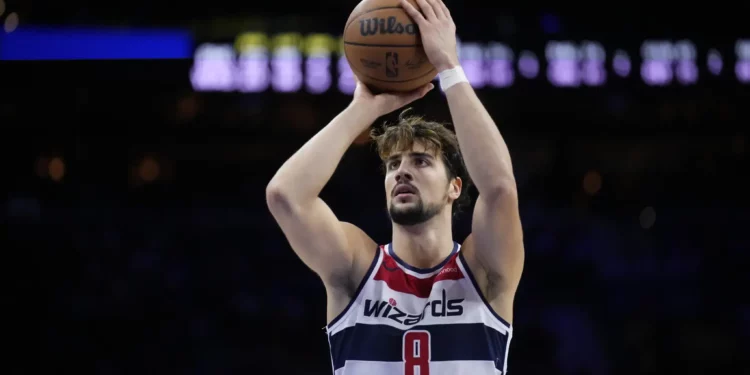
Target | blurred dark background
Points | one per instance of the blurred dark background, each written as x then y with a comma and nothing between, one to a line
140,137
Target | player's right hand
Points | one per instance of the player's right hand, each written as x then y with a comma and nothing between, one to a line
387,102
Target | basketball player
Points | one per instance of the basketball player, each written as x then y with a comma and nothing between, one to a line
421,304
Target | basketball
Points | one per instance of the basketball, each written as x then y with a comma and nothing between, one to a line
384,49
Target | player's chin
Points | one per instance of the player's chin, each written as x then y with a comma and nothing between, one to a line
399,205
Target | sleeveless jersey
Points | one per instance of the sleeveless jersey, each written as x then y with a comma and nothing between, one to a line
411,321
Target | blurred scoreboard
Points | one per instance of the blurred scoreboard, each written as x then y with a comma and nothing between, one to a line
315,63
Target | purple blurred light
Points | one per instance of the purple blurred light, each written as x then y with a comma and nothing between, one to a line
253,74
212,75
286,73
742,69
714,62
346,83
528,65
474,72
593,73
656,73
563,73
687,72
213,68
592,66
472,61
500,65
501,73
318,75
621,65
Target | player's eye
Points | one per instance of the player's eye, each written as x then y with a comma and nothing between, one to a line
393,164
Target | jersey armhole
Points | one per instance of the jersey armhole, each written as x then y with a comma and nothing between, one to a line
470,275
357,292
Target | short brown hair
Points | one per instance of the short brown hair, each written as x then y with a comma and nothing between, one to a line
435,137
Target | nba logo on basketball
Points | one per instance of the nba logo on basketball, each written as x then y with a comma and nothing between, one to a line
391,64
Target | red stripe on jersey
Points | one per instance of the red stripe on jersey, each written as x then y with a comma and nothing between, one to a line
398,280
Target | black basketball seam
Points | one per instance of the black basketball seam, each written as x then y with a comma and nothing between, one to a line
385,80
382,45
369,11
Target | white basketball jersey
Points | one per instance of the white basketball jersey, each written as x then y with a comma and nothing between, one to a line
411,321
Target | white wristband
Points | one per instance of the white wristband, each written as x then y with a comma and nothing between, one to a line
450,77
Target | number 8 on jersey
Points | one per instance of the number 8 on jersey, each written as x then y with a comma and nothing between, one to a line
416,354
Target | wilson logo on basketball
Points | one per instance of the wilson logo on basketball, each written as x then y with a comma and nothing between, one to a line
390,25
436,308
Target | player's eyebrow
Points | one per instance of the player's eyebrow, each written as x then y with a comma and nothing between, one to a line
421,155
412,154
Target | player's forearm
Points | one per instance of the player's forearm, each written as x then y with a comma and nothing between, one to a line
302,177
484,150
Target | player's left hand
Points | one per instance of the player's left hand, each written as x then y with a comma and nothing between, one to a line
387,102
438,32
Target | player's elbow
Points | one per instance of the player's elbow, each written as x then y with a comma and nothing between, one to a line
501,189
277,199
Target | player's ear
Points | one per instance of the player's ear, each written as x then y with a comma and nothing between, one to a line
455,187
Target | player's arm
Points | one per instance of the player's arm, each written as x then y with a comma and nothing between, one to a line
325,244
496,239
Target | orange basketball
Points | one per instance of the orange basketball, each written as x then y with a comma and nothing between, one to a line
384,49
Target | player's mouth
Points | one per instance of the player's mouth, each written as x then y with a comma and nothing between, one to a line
404,190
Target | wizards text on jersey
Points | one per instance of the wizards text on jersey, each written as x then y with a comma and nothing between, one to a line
435,308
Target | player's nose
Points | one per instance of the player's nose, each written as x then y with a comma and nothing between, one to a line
403,175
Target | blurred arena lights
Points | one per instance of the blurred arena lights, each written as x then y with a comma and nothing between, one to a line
56,169
528,64
685,56
742,67
346,83
714,62
592,182
52,168
500,57
318,50
621,63
11,22
562,68
286,63
656,68
315,63
213,69
254,73
149,169
37,43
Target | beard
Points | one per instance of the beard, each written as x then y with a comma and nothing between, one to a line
414,214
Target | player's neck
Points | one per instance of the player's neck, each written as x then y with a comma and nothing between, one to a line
424,245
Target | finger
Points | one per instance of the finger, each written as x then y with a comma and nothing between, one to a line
413,12
427,10
444,7
419,93
437,8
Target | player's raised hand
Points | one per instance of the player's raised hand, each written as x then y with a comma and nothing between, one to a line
387,102
438,32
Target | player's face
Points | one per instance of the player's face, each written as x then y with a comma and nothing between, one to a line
417,186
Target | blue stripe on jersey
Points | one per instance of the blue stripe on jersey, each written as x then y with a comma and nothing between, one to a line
448,342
